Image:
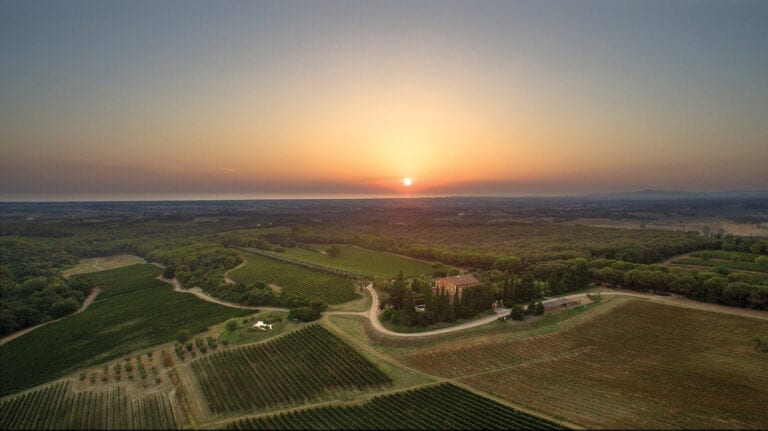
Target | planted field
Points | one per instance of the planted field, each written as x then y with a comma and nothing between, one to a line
726,255
134,311
730,264
444,406
85,266
639,365
451,242
375,264
294,368
56,406
295,280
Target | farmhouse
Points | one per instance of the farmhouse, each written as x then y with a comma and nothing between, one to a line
455,284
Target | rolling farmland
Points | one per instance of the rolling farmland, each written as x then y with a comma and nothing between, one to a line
443,406
57,406
134,311
375,264
640,365
299,366
295,280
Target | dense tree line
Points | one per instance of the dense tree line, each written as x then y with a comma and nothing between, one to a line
31,289
718,285
745,245
256,294
193,262
480,245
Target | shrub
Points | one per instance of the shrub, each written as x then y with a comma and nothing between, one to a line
212,343
190,346
183,336
387,314
232,324
516,313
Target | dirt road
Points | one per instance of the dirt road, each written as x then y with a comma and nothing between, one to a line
205,297
373,316
682,301
87,302
226,274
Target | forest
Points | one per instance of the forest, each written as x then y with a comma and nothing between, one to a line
198,243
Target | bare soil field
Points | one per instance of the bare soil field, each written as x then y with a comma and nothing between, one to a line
639,365
96,264
681,225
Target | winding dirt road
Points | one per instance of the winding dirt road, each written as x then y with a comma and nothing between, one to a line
87,302
226,274
200,294
373,313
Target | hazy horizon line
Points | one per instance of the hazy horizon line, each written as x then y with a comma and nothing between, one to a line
343,196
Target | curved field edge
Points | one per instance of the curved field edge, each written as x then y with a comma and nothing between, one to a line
104,263
295,280
134,311
441,406
372,263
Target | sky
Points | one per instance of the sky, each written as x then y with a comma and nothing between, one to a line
164,99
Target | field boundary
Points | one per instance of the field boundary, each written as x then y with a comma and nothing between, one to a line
311,266
86,303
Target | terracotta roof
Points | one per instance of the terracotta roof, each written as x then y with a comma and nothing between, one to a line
459,280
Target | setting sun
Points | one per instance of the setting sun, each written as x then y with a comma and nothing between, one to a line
407,182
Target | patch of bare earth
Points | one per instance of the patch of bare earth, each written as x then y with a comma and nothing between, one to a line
641,365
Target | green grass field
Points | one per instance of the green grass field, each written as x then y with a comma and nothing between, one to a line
375,264
726,255
295,280
443,406
730,264
133,312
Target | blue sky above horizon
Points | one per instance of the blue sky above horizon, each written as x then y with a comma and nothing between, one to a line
193,98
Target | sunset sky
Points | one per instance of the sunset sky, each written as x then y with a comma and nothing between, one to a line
162,99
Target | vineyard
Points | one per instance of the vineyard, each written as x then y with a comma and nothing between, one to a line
299,366
56,406
444,406
134,311
375,264
639,365
295,280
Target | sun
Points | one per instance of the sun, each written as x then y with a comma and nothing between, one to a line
407,182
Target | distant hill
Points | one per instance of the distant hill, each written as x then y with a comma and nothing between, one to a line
678,194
